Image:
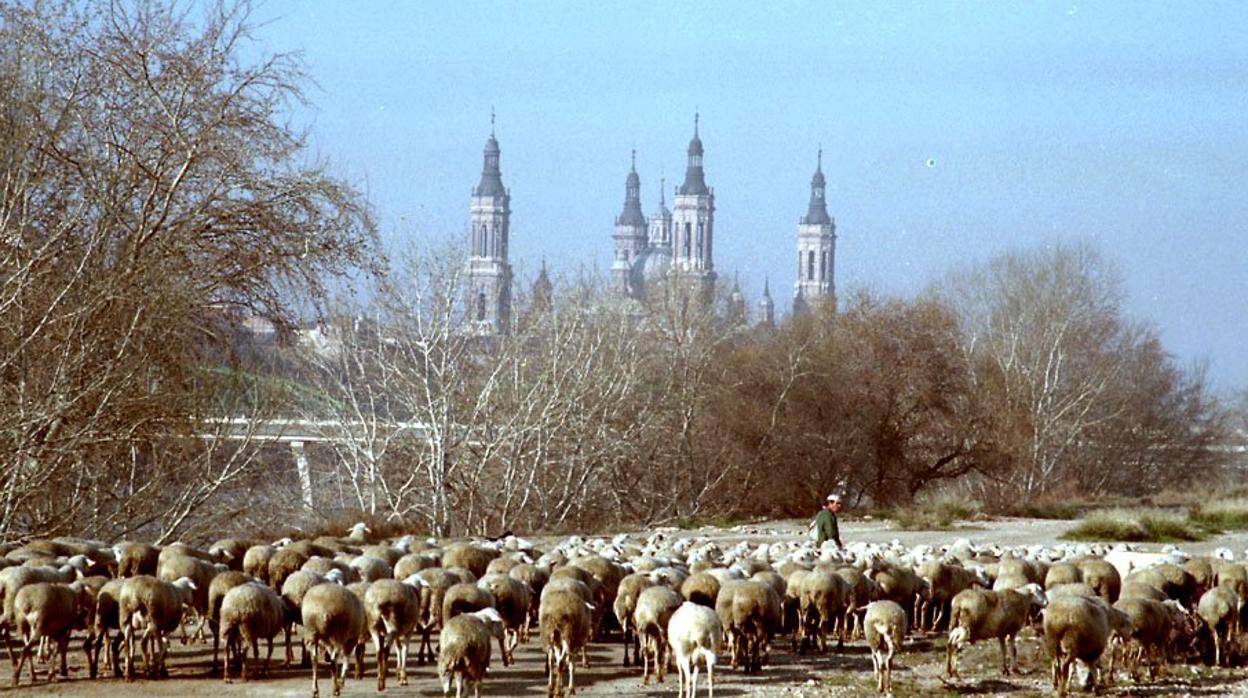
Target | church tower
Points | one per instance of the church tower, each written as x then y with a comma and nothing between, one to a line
630,234
766,308
816,248
488,286
693,224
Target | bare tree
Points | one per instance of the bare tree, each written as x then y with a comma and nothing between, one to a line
148,181
1046,332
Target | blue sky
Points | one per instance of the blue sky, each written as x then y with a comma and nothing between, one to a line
1121,123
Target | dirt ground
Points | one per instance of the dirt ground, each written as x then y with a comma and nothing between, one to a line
918,671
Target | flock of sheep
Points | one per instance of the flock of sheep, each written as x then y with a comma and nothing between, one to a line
674,600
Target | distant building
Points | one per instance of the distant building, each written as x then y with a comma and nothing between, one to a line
488,285
677,245
816,249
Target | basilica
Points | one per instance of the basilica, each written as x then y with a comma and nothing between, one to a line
676,244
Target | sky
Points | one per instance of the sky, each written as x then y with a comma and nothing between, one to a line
950,132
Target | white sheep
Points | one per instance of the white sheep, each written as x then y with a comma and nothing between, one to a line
695,633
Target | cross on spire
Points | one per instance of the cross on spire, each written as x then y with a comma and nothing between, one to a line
491,121
695,121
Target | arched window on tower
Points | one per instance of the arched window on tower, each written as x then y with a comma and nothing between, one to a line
810,266
699,246
482,241
481,305
688,237
823,265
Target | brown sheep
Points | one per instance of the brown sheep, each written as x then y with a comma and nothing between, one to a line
564,623
48,611
624,606
333,619
250,612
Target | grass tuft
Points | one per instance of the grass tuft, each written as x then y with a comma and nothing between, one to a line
939,514
1136,526
1222,514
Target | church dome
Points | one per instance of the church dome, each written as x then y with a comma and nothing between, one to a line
650,266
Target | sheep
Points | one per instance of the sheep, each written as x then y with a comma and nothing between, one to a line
978,614
822,603
389,554
1075,628
182,561
1233,576
1219,608
695,634
1135,589
884,626
370,569
231,551
756,616
50,611
1062,573
217,589
944,581
463,654
134,559
470,557
436,582
256,561
285,562
1152,623
512,599
155,607
392,608
1101,576
332,617
294,589
624,606
412,563
1203,571
250,612
106,619
901,585
655,606
700,588
1176,582
325,565
861,591
564,623
464,598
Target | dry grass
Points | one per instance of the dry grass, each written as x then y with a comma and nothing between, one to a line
1136,526
1230,514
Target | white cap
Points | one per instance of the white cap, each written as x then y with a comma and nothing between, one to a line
834,498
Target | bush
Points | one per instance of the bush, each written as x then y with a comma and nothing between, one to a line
1222,514
939,514
1136,526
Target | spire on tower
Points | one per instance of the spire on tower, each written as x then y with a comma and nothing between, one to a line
695,180
632,215
817,211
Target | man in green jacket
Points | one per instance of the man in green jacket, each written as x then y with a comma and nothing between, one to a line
826,527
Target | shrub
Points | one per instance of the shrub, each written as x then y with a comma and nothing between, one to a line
1222,514
1136,526
938,514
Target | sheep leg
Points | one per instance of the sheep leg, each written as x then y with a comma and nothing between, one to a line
710,675
225,669
1005,656
402,651
572,670
379,646
17,666
625,639
268,658
316,689
459,684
